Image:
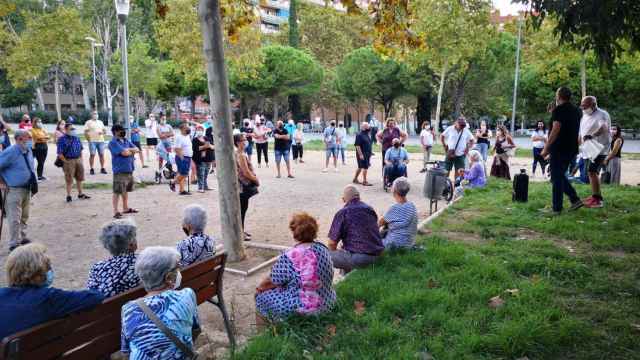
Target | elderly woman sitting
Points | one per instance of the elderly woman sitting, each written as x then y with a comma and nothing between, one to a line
474,177
157,267
401,220
116,274
197,246
301,279
29,300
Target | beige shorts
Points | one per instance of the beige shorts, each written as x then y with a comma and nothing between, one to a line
122,183
73,169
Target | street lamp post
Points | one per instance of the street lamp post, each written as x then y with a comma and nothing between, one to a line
93,66
122,9
515,82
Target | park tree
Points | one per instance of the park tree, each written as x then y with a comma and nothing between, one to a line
294,42
52,42
365,74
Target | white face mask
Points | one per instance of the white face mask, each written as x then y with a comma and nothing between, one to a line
176,285
199,133
588,111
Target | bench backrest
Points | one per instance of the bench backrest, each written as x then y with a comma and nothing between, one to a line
96,333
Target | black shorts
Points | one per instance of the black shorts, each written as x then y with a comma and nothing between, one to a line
364,163
597,164
152,141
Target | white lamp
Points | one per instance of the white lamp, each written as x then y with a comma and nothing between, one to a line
122,7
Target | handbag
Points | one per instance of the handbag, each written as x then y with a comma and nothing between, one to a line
33,181
451,153
249,190
190,354
58,163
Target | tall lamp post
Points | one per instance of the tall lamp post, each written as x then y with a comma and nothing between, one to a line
94,44
515,82
122,9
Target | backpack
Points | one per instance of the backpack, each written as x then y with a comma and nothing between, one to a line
521,187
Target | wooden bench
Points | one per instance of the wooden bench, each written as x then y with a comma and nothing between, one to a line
95,334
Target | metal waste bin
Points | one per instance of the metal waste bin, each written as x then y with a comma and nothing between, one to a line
434,183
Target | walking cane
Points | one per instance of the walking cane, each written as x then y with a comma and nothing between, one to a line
3,200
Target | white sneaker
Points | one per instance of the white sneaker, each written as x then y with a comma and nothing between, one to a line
201,191
336,169
325,170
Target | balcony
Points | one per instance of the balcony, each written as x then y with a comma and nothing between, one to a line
272,19
283,5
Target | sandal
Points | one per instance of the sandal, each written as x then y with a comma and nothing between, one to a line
130,211
84,196
117,216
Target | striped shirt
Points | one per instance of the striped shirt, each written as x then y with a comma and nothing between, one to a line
69,146
402,219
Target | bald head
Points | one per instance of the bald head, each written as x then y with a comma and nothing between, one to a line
350,192
589,102
364,126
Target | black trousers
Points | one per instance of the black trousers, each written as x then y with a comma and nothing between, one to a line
40,153
244,206
297,151
558,166
262,149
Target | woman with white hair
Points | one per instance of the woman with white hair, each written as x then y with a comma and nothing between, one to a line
197,246
116,274
401,220
157,267
474,177
29,299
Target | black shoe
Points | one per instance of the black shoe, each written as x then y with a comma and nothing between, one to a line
185,193
103,171
247,237
172,186
25,241
423,170
69,199
84,196
92,172
41,178
11,248
576,205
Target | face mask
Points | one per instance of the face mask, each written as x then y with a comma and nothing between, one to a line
122,133
176,285
73,132
199,133
49,280
187,131
186,231
28,144
588,111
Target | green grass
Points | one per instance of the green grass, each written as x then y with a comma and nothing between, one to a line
578,281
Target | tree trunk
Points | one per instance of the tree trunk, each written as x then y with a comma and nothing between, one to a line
85,95
372,109
40,98
231,226
443,74
193,98
74,105
56,86
107,94
459,95
275,111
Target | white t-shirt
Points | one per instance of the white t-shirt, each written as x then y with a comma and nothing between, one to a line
151,129
426,137
538,144
184,142
591,123
451,136
94,130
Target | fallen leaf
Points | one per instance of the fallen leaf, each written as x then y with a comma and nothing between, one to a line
331,330
358,307
432,284
496,302
512,292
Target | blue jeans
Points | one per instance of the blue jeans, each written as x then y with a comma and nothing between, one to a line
203,173
558,166
483,148
537,159
341,149
332,150
96,147
282,154
249,149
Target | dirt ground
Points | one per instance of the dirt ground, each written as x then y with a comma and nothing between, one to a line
70,229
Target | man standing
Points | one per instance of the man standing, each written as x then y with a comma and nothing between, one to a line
122,165
165,134
135,138
426,140
94,132
281,146
457,140
595,125
356,225
70,152
363,153
184,152
331,146
562,146
16,169
151,127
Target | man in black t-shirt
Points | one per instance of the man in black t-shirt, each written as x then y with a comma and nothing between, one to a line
363,153
562,147
282,146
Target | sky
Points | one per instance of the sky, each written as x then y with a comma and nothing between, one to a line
506,7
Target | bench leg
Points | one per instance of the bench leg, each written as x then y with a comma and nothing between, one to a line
219,302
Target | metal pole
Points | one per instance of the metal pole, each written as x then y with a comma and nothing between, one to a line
93,63
515,82
125,77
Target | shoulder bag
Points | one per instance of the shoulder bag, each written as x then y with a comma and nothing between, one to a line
190,354
33,181
451,153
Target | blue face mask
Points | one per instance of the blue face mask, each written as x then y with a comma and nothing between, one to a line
50,277
28,144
